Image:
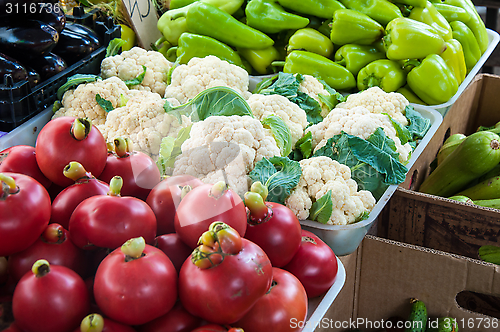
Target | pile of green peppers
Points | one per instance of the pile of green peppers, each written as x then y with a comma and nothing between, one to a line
421,48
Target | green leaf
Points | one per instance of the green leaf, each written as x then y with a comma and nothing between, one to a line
365,215
281,133
123,100
105,104
333,98
170,148
56,106
384,143
264,84
322,209
280,174
138,80
418,125
402,132
85,3
114,47
74,81
219,100
310,105
490,254
303,148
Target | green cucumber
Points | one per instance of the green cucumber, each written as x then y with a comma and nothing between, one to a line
444,324
449,146
476,155
490,203
417,316
461,198
487,189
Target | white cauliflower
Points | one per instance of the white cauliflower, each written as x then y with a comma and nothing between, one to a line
144,121
81,102
128,65
202,73
378,101
233,143
293,116
320,175
358,121
311,86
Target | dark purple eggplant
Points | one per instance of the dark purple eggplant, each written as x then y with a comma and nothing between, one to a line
33,76
50,14
28,37
11,66
83,30
47,65
73,46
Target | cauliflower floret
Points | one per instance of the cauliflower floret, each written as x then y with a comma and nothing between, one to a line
357,121
311,86
202,73
320,175
377,100
128,65
293,116
233,143
81,102
144,121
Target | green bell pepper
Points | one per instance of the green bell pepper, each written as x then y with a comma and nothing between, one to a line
476,23
412,3
260,60
386,74
430,15
354,56
410,39
208,20
452,13
173,22
432,80
470,46
308,63
410,95
352,27
269,17
310,40
319,8
197,46
381,11
455,59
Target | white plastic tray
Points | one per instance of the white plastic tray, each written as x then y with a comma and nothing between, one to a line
344,239
318,306
26,133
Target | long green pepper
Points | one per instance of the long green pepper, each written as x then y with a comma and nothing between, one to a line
269,17
319,8
386,74
311,40
354,56
350,26
381,11
470,46
431,16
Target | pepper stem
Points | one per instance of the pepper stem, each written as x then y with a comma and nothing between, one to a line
259,188
80,128
172,53
92,323
134,248
372,81
75,171
411,63
278,64
341,62
115,186
40,268
256,206
218,189
121,147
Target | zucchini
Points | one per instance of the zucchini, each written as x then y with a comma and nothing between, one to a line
487,189
490,203
417,316
476,155
461,198
449,146
444,324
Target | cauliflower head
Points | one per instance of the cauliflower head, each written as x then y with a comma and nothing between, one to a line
311,86
357,121
202,73
128,65
144,121
378,101
81,102
233,143
320,175
293,116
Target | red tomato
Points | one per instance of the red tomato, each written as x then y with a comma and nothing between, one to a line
315,265
60,251
224,293
25,213
284,303
135,291
165,197
56,146
176,320
138,171
22,159
200,207
174,248
108,221
279,234
52,301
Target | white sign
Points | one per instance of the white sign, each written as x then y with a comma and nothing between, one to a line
144,19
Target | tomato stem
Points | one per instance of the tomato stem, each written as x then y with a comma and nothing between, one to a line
121,147
92,323
9,182
255,204
40,268
75,171
185,190
115,185
80,128
134,248
218,189
259,188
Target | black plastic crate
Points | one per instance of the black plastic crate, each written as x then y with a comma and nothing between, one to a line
19,102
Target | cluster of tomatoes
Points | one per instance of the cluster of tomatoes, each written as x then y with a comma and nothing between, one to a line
93,239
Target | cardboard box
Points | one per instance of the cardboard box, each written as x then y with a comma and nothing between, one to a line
382,276
437,222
